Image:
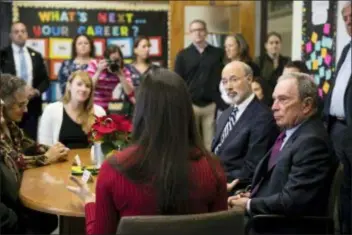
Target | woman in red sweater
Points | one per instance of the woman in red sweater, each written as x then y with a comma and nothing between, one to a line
166,171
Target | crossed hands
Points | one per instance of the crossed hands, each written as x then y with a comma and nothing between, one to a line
238,200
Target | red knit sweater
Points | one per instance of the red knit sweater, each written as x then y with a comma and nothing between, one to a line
116,196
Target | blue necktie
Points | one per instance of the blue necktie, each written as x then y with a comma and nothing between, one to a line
23,65
227,129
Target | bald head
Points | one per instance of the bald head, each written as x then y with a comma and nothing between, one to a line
19,34
236,79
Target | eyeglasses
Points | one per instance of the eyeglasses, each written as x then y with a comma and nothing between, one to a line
197,30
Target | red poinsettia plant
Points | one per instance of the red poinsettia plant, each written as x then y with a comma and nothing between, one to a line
112,131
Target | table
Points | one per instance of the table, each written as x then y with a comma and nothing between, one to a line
44,189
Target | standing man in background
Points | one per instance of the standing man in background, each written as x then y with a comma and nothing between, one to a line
200,65
338,115
27,64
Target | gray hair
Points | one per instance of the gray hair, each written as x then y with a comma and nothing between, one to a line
9,85
306,86
247,69
347,4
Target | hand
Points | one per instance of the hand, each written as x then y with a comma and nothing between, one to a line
237,201
103,64
82,191
32,92
231,185
57,152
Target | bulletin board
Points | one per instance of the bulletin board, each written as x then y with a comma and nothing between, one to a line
319,40
53,25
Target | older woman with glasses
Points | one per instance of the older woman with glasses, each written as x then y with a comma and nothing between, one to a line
17,153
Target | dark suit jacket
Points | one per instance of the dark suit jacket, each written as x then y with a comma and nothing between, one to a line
348,94
252,136
40,75
299,183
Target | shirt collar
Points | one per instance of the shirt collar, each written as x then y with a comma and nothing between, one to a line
289,132
242,106
17,48
200,49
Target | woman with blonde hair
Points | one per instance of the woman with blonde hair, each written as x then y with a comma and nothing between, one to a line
70,120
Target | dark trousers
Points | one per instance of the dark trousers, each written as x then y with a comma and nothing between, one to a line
29,125
337,132
35,222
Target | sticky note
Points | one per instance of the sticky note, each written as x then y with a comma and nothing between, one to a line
320,92
318,45
323,52
313,56
315,64
86,175
309,64
328,74
321,71
314,37
320,60
327,59
308,47
316,79
326,28
326,87
327,42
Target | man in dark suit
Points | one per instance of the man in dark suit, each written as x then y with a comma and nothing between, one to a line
294,178
246,130
22,61
338,106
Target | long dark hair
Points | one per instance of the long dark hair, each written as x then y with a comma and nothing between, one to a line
266,89
136,43
166,140
91,45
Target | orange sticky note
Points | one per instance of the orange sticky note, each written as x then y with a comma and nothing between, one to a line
314,37
326,87
323,52
315,64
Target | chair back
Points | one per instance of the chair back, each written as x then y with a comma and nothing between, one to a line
334,196
229,222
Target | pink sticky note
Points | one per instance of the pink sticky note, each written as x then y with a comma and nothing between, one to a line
320,92
326,29
327,59
308,47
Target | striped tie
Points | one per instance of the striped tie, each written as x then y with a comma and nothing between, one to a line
227,129
23,65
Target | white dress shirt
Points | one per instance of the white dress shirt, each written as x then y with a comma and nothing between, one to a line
337,108
242,107
16,55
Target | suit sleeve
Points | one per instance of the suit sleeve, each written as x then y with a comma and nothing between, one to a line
262,137
311,166
43,75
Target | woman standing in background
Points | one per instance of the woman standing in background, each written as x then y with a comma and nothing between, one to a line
141,64
272,63
82,54
107,74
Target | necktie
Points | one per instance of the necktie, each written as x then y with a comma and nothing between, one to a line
227,129
273,158
276,149
23,65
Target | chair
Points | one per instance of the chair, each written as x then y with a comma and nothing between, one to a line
261,224
229,222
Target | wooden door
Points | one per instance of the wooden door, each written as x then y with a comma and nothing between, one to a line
241,20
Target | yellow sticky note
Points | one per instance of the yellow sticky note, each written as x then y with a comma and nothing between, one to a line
314,37
315,64
323,52
326,87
